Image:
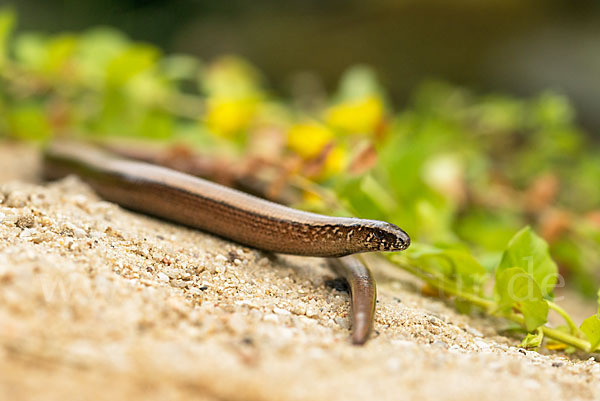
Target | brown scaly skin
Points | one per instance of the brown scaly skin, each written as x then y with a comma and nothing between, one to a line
234,215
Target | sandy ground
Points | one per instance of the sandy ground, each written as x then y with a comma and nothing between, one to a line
97,302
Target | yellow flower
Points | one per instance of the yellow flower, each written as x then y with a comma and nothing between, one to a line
227,116
312,198
308,139
336,162
356,115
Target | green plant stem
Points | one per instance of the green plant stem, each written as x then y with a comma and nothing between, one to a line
555,334
563,313
446,286
566,338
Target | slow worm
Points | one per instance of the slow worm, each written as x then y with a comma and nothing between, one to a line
235,215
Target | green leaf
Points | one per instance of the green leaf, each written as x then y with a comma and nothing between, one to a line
129,63
533,340
59,51
465,265
489,228
30,50
591,329
518,290
551,110
456,264
529,252
97,47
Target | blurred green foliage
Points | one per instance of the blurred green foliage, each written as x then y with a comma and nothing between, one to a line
459,171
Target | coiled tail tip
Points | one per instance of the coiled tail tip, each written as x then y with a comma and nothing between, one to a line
361,331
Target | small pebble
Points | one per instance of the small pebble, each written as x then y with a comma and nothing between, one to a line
163,277
344,323
25,221
79,233
194,291
8,219
179,283
28,232
310,311
16,199
482,345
